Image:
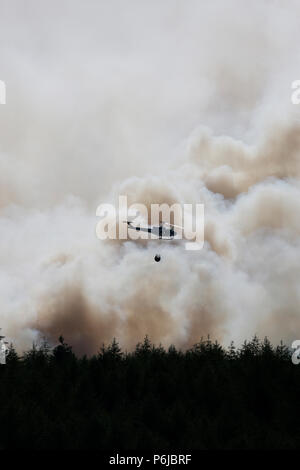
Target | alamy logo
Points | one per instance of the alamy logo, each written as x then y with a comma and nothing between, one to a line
3,349
296,353
295,96
2,92
178,221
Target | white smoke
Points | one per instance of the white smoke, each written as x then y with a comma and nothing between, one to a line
164,101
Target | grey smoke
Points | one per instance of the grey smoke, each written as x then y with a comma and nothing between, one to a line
167,101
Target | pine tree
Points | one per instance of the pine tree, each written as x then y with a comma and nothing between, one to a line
144,349
11,355
62,351
232,352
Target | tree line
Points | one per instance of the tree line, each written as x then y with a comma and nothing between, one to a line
207,397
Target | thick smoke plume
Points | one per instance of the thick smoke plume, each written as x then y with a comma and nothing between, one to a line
164,102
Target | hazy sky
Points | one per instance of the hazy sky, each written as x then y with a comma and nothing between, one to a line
112,96
113,88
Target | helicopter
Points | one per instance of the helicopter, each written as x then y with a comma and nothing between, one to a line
163,231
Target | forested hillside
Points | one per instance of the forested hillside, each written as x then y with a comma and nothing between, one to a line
152,398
